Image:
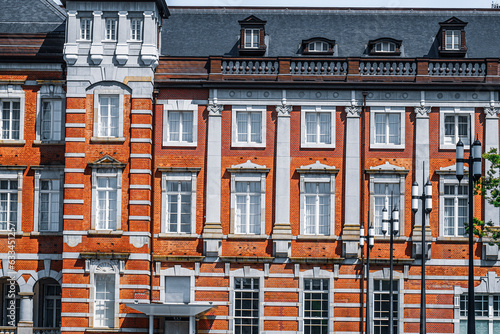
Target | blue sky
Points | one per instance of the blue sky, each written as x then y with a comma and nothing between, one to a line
338,3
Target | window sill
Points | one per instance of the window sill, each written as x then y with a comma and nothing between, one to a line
9,233
452,147
179,144
108,140
177,236
316,237
388,238
103,329
8,142
46,234
461,240
387,147
247,236
248,145
105,232
40,142
322,146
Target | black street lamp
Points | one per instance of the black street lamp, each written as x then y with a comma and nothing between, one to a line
394,223
370,237
426,198
474,162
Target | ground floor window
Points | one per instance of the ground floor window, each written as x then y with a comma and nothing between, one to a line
381,307
246,305
487,310
315,306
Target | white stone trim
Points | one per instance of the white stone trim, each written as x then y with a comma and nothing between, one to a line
52,174
182,106
54,93
108,91
234,126
114,172
455,111
15,92
303,125
387,110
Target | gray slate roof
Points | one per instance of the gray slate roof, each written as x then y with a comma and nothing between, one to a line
215,31
30,16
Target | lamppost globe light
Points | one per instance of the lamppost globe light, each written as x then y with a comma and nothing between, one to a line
476,155
460,160
414,197
385,221
371,236
395,223
428,196
361,236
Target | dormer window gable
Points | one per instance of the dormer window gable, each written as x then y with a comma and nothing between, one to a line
318,46
451,38
384,47
252,36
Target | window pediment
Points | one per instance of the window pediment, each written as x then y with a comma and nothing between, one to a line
252,36
248,166
387,168
317,167
384,46
451,38
318,46
107,162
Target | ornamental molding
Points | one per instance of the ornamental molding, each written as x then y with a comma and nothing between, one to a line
283,110
104,267
72,240
387,168
317,167
214,109
491,112
353,111
422,112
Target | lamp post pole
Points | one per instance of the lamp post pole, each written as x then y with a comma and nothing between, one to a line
394,223
426,198
474,162
371,241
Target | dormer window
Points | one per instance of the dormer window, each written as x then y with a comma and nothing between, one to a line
318,46
384,47
252,36
451,38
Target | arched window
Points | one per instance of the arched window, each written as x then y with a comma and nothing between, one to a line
47,303
384,47
318,46
10,302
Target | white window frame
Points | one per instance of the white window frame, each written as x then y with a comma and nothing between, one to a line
86,29
104,267
178,174
13,93
14,173
183,106
110,29
323,47
395,310
385,47
445,180
47,173
388,174
252,32
136,31
236,290
373,135
455,111
234,126
398,278
248,172
317,173
97,113
317,109
106,172
52,93
453,33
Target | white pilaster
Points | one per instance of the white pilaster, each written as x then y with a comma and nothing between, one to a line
121,52
97,50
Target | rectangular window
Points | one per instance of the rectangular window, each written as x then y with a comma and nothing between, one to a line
249,127
317,208
316,306
248,207
246,305
452,39
8,204
179,206
136,29
108,118
86,28
318,128
51,306
487,309
106,203
11,119
381,306
252,37
51,120
384,194
456,127
177,289
111,25
387,128
104,300
454,200
49,207
180,126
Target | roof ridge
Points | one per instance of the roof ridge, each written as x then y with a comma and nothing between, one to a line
55,8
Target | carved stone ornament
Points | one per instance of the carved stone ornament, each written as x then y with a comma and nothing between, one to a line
138,241
72,240
491,112
283,110
353,111
422,112
214,109
105,267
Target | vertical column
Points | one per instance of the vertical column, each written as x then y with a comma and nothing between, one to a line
121,52
282,232
491,138
212,230
71,47
350,233
25,325
96,50
421,174
149,51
